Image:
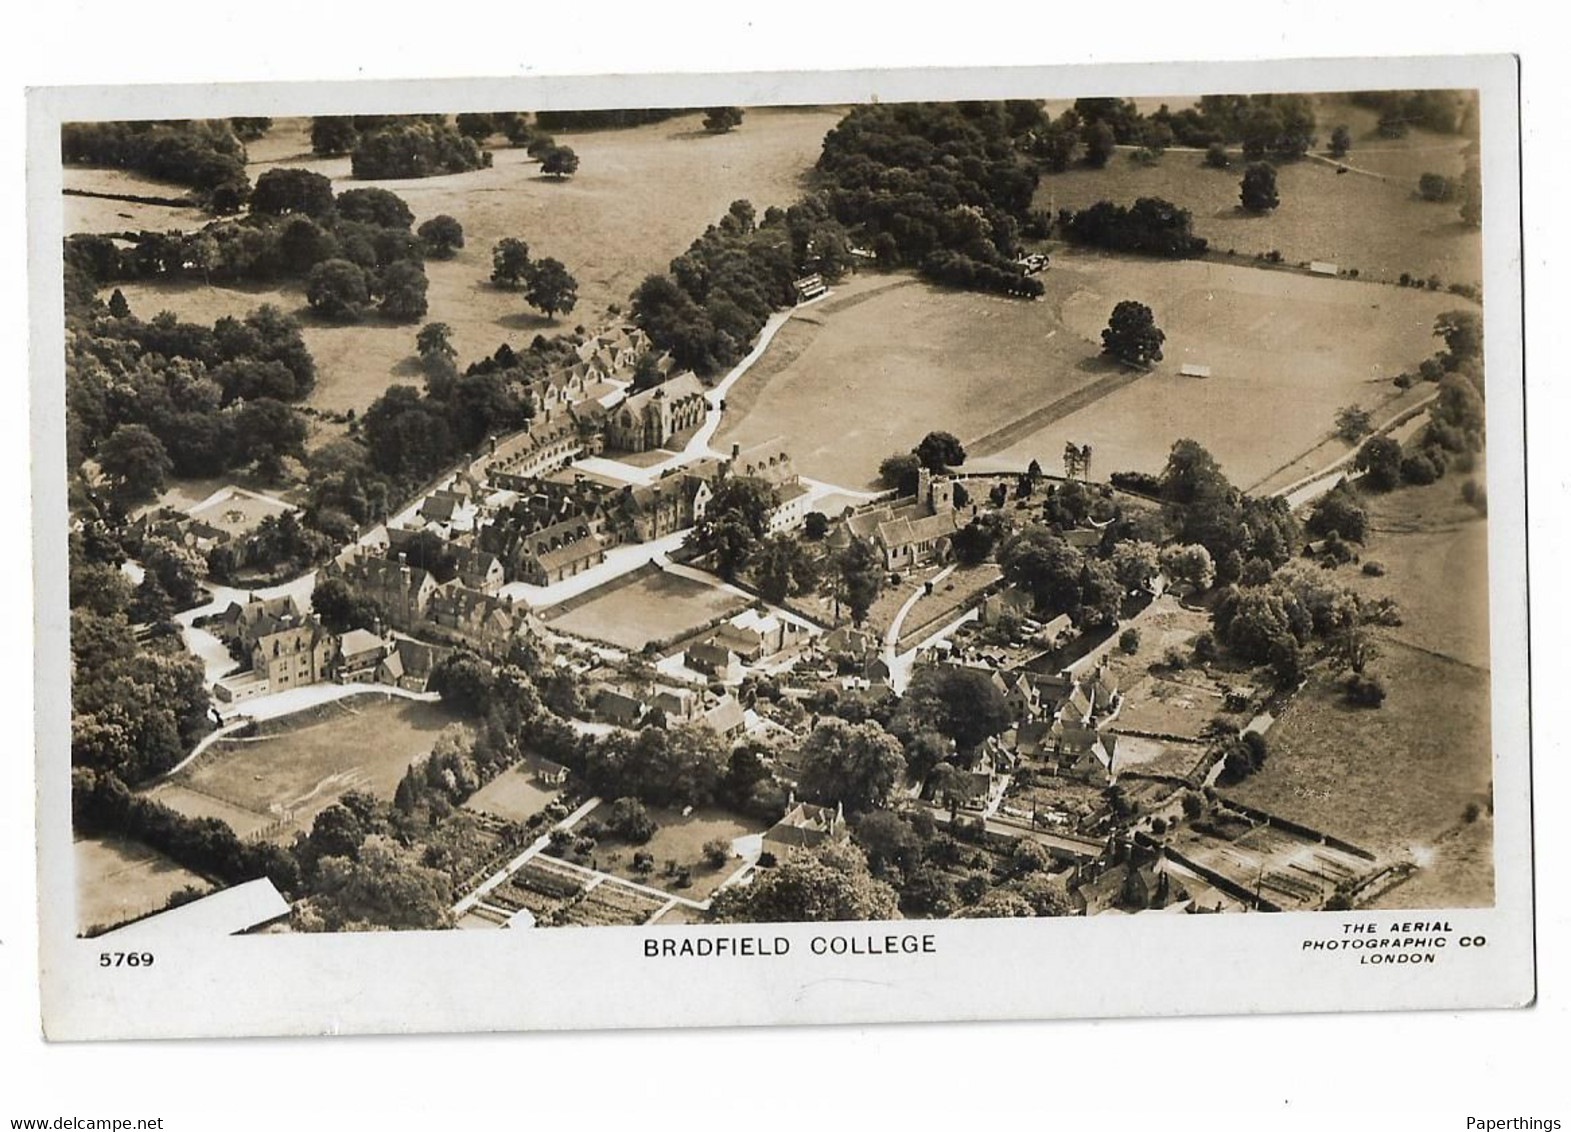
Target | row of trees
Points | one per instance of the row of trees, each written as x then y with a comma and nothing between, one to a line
207,156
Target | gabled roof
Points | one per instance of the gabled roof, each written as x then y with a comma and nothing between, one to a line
726,716
359,641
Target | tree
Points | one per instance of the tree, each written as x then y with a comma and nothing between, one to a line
1135,562
1463,332
1471,193
118,307
265,432
376,207
722,119
435,340
559,161
1338,512
858,577
1352,423
337,290
629,819
783,567
1436,188
551,288
476,127
1217,156
815,525
386,886
939,451
1132,335
403,287
333,136
442,236
1189,565
510,263
962,703
1129,641
135,462
1341,142
899,472
1257,190
1380,459
285,190
856,765
1100,142
831,883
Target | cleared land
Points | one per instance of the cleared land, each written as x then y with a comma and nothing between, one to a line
1369,218
1017,380
642,195
1399,777
653,606
118,880
280,780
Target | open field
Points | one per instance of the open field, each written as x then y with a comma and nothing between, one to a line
641,197
1369,218
514,794
680,840
118,880
651,607
1396,778
284,778
1017,380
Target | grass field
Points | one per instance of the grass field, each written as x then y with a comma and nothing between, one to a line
294,772
640,198
651,607
1017,380
1369,218
1399,777
514,794
681,840
118,880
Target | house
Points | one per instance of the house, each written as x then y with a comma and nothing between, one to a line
286,648
772,464
809,287
546,772
408,664
478,569
237,621
1194,369
483,619
726,718
650,418
806,826
754,635
547,442
678,704
1011,601
713,659
1020,694
359,655
619,708
404,592
1321,267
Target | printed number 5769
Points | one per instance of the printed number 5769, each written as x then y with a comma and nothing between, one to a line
125,959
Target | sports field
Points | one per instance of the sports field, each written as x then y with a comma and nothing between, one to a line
652,606
280,780
1017,380
119,880
641,196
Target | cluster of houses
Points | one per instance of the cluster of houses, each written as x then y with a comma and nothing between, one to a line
284,648
750,638
672,707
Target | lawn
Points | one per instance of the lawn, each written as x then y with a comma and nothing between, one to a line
515,794
679,840
1369,218
648,606
302,764
1017,380
119,880
642,195
1399,777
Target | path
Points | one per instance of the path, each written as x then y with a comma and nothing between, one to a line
1316,484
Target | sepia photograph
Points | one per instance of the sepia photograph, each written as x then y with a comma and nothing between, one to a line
1043,507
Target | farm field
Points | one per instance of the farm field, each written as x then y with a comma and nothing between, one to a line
680,840
1369,218
1399,777
608,224
282,779
651,607
1017,380
119,880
